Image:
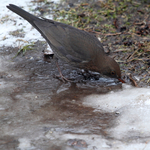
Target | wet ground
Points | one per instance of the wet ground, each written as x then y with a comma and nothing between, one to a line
40,112
36,104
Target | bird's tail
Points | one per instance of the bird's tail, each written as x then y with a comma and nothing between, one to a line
29,17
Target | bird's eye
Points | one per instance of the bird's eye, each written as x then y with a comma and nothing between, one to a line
112,73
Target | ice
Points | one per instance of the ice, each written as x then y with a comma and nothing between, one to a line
133,108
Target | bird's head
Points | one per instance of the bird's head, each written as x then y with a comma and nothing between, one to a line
111,68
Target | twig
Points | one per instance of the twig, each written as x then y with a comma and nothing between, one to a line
133,54
121,50
136,59
133,81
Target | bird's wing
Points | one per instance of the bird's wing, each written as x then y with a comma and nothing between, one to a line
72,44
67,42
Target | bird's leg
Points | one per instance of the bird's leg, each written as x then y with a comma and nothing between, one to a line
61,75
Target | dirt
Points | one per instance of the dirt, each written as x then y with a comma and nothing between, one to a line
124,29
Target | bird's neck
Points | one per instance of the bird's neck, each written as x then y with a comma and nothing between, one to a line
101,61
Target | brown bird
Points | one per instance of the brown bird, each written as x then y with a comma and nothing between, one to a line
76,47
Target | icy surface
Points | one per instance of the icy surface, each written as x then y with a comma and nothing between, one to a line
132,105
129,96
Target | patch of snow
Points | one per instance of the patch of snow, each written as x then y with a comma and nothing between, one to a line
25,144
114,101
10,22
132,107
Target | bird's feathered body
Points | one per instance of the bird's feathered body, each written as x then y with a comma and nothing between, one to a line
79,48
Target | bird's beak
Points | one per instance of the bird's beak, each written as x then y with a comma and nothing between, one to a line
121,80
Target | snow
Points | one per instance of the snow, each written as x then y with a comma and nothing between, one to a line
114,101
12,22
132,105
24,144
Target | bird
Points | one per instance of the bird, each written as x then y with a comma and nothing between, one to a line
76,47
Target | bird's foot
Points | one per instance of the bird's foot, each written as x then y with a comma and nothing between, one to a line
64,79
61,75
